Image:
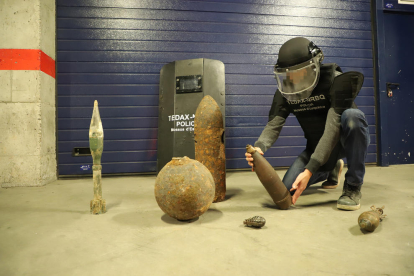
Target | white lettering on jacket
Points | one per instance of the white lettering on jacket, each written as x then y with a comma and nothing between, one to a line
310,99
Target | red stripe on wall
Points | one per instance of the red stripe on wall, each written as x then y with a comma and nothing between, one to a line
26,59
47,64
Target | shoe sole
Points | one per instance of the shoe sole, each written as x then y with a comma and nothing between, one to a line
348,207
329,186
339,178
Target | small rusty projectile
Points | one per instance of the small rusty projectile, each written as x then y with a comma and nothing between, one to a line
370,220
96,135
270,180
209,143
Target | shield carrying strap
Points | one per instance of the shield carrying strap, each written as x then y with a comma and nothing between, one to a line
345,89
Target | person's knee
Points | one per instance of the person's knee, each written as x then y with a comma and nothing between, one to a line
353,118
288,180
354,124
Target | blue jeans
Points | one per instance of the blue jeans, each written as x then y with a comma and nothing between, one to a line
354,140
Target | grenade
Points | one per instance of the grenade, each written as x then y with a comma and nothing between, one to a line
184,188
370,220
270,180
256,222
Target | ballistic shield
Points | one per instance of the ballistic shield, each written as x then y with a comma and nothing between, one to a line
183,84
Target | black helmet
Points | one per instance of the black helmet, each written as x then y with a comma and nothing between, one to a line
298,67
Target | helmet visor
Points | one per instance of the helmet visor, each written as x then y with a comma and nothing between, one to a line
296,82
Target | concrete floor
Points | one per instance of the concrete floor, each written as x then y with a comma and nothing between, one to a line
49,231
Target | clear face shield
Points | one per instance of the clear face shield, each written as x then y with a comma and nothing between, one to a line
297,82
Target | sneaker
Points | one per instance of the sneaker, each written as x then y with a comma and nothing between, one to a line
334,176
350,198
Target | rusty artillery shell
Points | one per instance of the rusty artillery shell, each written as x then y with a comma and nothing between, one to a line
256,221
209,143
184,188
370,220
270,180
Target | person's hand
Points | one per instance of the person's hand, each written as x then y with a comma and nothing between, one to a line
249,157
300,184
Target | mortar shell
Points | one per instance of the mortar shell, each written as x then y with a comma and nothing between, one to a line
270,180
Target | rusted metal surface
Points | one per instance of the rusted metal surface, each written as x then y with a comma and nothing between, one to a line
270,180
96,135
184,188
209,144
370,220
256,222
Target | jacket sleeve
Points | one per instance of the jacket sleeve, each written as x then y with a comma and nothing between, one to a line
327,142
277,118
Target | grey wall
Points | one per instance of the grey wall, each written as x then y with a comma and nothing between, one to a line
27,97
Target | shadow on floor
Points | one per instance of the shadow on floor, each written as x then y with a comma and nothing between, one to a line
357,231
233,192
209,216
166,218
330,203
111,205
314,189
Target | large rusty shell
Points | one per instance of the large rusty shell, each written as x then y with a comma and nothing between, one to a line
184,188
209,144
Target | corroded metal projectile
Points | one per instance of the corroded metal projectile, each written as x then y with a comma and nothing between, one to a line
209,143
270,180
184,188
370,220
96,135
256,222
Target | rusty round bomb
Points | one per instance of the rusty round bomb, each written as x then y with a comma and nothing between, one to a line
209,144
270,180
184,188
370,220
